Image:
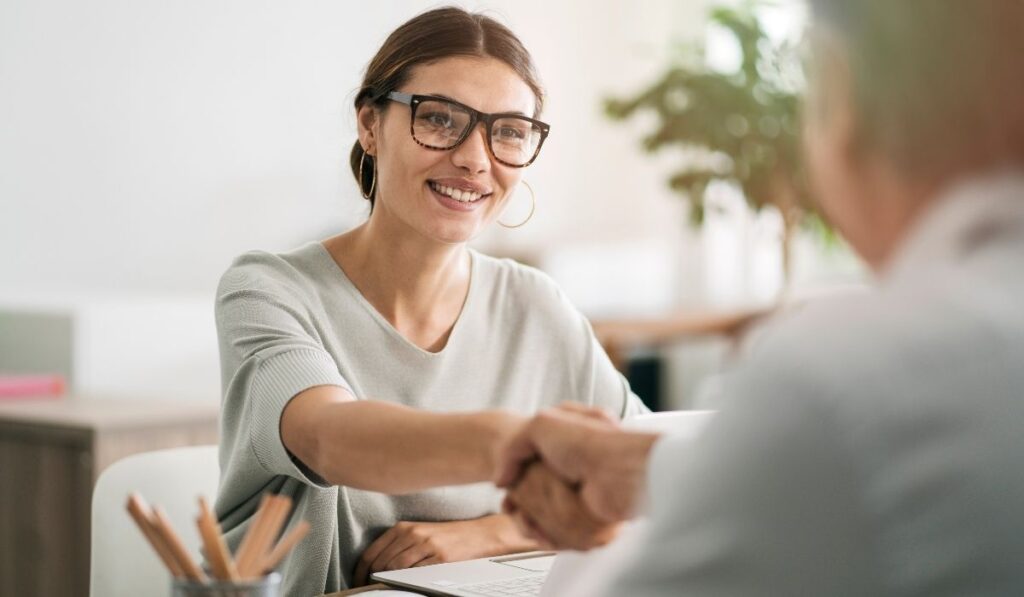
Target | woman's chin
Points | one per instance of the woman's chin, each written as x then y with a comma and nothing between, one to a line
455,235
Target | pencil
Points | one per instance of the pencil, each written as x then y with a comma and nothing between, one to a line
245,547
290,540
188,565
264,535
143,517
213,540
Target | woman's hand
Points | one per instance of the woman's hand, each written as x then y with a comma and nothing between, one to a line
411,544
554,514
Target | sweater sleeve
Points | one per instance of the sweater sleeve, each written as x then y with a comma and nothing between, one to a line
610,390
271,351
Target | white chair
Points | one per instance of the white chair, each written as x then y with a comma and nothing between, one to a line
123,563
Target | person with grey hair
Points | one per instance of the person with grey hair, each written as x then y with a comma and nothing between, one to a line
868,444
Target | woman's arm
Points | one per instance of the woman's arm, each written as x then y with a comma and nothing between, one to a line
390,448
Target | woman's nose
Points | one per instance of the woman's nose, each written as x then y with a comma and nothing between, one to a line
472,153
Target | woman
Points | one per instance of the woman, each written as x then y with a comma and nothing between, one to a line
371,376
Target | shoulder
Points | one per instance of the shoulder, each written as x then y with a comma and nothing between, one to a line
808,342
516,281
862,349
262,271
526,301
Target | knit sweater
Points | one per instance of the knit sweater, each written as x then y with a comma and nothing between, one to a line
291,321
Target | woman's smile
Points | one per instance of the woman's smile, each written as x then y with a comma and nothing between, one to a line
459,194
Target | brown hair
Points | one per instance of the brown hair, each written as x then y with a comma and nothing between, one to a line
937,84
431,36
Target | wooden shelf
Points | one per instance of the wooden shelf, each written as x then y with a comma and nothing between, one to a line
619,336
51,453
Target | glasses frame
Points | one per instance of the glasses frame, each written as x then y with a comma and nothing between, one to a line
476,117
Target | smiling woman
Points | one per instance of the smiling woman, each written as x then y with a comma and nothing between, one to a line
373,375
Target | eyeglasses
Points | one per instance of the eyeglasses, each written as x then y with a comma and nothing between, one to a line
442,124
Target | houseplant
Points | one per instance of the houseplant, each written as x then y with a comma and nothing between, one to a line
739,126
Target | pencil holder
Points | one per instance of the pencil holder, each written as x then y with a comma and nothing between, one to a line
268,586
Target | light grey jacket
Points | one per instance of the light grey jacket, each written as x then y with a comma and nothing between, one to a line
870,445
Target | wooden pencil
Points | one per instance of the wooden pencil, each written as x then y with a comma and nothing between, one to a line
244,555
143,517
285,545
213,540
188,565
265,535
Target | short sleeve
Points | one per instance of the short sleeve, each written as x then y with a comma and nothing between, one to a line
611,391
271,351
607,387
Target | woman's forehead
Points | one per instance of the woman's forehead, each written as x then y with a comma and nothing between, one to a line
483,83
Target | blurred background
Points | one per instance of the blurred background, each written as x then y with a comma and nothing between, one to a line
145,144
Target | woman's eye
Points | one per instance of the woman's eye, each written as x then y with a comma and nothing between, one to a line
511,133
437,119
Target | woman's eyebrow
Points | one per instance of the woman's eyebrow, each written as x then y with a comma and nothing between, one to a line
447,97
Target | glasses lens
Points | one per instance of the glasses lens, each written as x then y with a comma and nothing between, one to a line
515,140
439,124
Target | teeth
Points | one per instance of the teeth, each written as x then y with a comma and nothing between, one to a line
457,194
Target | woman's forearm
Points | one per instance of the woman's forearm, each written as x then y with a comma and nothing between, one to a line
390,448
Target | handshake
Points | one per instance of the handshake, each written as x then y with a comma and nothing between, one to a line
573,476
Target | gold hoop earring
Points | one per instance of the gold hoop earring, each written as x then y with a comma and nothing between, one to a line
533,207
373,181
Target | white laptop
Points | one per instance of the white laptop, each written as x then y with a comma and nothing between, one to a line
538,574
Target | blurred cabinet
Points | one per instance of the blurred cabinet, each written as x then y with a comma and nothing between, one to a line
51,453
633,345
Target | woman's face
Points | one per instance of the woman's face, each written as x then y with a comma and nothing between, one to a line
411,179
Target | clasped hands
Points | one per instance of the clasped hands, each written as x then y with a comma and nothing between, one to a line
573,476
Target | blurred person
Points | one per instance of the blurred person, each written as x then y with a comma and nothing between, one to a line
870,444
368,374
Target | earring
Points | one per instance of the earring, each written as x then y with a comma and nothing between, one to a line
533,206
373,181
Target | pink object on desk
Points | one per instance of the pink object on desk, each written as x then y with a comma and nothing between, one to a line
31,386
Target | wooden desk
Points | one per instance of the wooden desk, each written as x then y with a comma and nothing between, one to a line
375,587
618,336
51,453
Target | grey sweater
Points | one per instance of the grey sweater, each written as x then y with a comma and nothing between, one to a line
288,322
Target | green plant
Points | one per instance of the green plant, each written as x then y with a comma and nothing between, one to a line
742,124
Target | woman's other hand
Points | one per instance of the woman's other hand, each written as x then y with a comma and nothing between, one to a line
413,544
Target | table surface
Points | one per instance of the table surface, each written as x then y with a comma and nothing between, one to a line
376,587
83,412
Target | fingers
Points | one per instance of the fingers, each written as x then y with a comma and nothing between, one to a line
370,555
609,503
388,548
550,511
429,562
408,546
407,558
526,525
508,505
516,454
532,530
559,437
591,412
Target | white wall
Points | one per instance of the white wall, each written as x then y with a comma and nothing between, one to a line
145,143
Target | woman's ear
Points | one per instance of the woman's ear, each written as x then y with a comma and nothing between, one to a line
368,119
